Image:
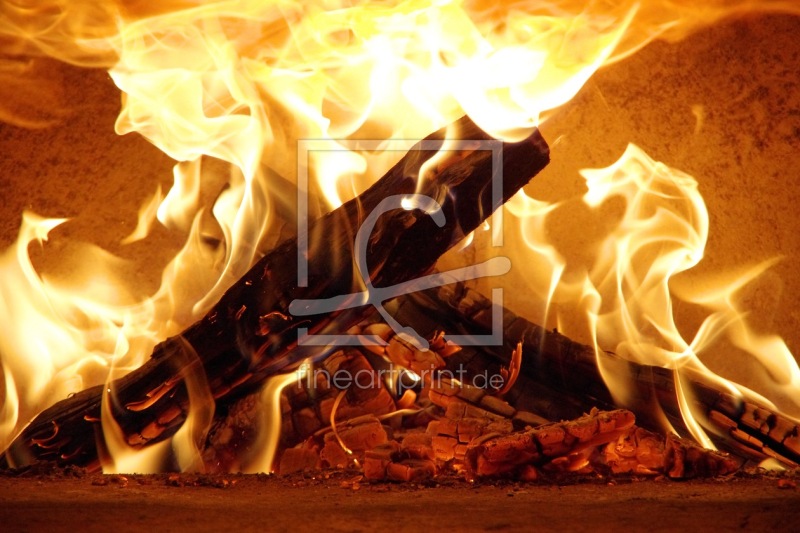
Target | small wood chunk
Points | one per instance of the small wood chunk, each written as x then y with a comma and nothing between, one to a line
362,434
497,406
438,397
419,451
460,451
415,439
377,459
442,392
399,352
473,411
471,394
470,428
551,439
444,447
455,410
516,448
333,455
686,460
410,470
298,459
447,427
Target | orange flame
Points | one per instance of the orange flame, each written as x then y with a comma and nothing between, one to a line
628,287
239,82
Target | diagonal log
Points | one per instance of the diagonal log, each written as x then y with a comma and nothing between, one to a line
250,334
560,378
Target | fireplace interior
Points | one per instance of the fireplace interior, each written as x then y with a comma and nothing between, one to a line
722,105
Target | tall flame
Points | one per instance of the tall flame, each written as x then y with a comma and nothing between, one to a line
227,88
628,287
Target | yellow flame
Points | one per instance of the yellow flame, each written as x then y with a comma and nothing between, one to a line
228,87
123,458
628,292
269,430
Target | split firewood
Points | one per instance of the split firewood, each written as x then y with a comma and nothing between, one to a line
451,436
469,416
317,393
500,454
559,378
565,447
477,401
576,446
348,384
643,452
339,447
457,309
250,334
412,459
476,434
307,407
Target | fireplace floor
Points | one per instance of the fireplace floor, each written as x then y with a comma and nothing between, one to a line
340,503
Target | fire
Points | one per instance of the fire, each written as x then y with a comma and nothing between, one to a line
240,82
630,285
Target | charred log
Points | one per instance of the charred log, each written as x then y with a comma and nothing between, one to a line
477,434
251,334
559,381
560,378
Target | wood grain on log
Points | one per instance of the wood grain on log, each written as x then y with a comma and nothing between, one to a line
250,334
560,378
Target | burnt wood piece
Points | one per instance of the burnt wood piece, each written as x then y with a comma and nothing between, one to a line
250,333
560,379
497,454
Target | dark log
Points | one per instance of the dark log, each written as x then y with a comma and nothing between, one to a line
250,334
560,377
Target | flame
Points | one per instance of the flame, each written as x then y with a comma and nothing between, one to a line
630,285
262,459
228,87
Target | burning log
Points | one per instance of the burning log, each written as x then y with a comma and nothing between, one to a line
469,416
643,452
496,454
492,439
251,334
307,409
560,378
478,434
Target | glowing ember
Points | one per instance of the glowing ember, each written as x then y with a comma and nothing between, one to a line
242,81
